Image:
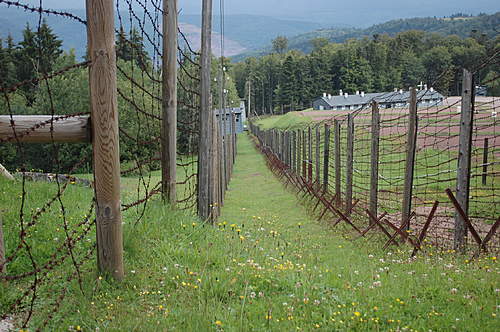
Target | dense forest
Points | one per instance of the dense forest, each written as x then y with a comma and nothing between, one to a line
40,53
289,80
458,24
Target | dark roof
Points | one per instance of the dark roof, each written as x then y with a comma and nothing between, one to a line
235,110
381,97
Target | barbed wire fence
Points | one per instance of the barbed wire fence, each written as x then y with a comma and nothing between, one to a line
145,174
389,169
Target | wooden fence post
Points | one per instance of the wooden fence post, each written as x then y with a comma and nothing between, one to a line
205,142
3,268
106,150
169,102
294,151
309,154
349,164
299,162
485,161
317,159
338,172
374,159
217,176
411,148
326,156
304,155
464,159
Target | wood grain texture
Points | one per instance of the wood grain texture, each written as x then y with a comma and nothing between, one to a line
349,164
45,129
338,171
374,159
5,173
169,102
205,142
464,159
411,148
106,150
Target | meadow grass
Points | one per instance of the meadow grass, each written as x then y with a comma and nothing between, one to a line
267,266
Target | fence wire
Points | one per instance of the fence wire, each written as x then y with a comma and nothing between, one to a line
435,166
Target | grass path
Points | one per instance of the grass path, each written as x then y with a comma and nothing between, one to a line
267,266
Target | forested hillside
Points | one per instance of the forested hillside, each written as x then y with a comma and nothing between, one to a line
458,24
290,80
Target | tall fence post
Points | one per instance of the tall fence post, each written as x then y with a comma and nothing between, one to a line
338,172
464,158
205,143
299,163
317,159
326,158
304,155
106,150
309,154
411,148
349,164
169,102
217,176
485,161
3,268
294,152
374,159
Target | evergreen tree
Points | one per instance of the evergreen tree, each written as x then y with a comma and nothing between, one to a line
36,55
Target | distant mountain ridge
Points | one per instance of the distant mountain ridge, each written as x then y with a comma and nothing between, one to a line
242,32
460,26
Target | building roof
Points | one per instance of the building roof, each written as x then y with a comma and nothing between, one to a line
381,97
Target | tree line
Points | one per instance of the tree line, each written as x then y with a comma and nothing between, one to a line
285,81
40,53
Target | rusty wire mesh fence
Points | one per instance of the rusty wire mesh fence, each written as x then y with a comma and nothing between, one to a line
353,167
48,215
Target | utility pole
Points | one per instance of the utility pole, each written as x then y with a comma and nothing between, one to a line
205,144
169,103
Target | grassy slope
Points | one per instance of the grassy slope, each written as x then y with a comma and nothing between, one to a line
267,266
290,120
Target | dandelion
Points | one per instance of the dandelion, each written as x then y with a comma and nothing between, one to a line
218,323
357,313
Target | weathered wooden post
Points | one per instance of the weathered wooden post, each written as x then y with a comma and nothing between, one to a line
299,161
374,159
5,173
204,163
294,151
304,155
411,148
169,102
309,154
106,151
485,161
349,164
464,159
338,172
326,156
317,159
217,185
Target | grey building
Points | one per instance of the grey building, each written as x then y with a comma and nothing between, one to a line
395,99
239,114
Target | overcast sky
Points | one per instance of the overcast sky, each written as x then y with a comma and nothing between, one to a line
322,9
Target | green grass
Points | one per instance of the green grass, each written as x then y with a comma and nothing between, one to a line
291,120
266,266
